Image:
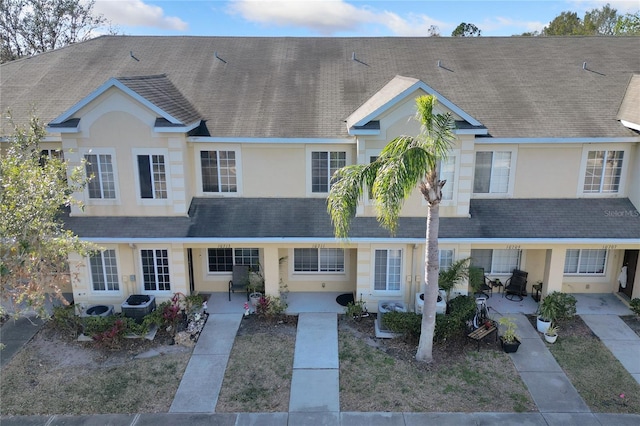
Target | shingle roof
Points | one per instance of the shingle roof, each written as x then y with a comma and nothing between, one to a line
614,218
306,87
630,107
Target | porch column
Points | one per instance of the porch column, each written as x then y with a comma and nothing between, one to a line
554,270
271,271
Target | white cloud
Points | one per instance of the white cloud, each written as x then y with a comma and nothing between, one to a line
328,17
622,6
136,13
499,23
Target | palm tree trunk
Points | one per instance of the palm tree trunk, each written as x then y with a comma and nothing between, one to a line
430,288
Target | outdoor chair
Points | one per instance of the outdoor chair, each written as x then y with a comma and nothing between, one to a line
239,280
485,284
516,285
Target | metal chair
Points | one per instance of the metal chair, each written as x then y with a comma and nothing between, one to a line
239,280
516,285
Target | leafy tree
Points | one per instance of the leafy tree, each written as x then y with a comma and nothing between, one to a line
28,27
433,31
406,162
601,21
466,30
628,24
567,23
34,246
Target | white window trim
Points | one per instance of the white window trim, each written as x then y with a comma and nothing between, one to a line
402,269
344,261
114,163
109,293
233,250
453,256
310,276
512,174
622,188
218,147
141,271
587,274
502,274
309,172
167,171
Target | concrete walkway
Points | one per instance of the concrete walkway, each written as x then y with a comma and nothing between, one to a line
202,380
14,334
548,385
621,340
315,383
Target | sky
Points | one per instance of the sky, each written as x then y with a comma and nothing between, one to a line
338,18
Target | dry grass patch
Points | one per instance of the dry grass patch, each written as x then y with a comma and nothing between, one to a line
597,375
54,374
258,375
382,375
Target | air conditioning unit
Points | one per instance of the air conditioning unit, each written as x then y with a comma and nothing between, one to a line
137,306
441,305
385,307
99,311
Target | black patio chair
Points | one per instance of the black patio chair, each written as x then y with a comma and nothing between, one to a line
516,285
239,280
481,283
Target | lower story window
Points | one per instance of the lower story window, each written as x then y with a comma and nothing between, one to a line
387,270
318,260
446,259
155,270
496,261
222,260
588,262
104,271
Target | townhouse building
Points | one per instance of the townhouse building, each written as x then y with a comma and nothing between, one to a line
210,152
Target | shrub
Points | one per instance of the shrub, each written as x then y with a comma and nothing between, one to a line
112,337
463,306
66,320
354,309
557,306
406,323
461,311
270,306
635,305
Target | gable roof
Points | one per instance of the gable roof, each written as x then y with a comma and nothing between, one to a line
629,113
518,87
155,92
277,219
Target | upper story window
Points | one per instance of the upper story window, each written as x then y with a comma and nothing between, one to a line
222,260
496,261
318,260
99,169
387,270
447,171
323,165
585,262
152,176
492,172
603,171
155,270
218,171
104,271
45,154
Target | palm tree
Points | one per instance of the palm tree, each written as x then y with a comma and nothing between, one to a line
405,162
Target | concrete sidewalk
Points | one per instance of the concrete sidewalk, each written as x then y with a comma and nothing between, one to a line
14,334
548,385
202,380
619,338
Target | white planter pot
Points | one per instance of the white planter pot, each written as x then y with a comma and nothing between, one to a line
550,339
542,326
255,298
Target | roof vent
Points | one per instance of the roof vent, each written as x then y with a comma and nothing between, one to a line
353,56
133,56
584,65
215,54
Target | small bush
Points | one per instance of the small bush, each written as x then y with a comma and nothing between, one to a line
112,337
66,320
271,306
635,306
406,323
463,306
557,306
354,309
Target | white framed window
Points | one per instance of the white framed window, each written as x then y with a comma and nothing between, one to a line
585,262
155,269
152,176
492,172
447,171
603,171
323,165
496,261
222,260
387,270
445,259
318,260
45,154
218,169
101,174
104,271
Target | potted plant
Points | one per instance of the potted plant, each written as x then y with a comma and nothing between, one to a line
509,338
551,335
555,307
255,286
547,312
